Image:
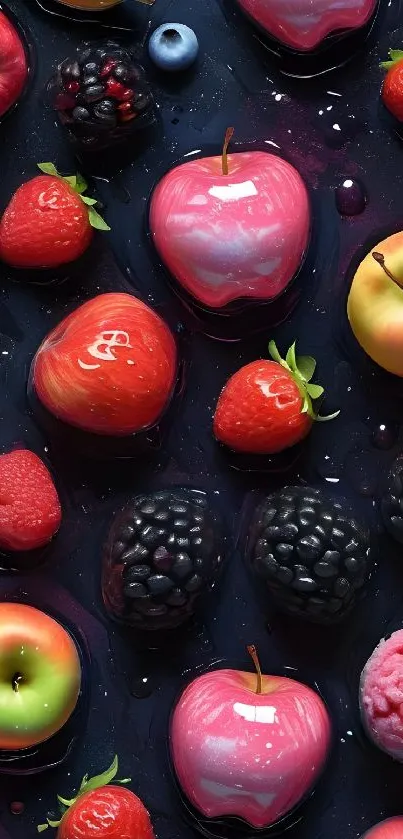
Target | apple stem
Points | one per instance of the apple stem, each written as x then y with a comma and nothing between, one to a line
224,157
17,678
255,658
380,259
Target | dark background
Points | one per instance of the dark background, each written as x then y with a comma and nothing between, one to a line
234,83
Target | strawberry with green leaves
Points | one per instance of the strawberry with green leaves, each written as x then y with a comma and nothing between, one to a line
102,810
392,88
49,221
268,406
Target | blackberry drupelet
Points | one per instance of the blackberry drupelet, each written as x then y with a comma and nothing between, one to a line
101,94
392,501
163,551
313,556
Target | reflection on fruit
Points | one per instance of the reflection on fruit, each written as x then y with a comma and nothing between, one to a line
266,406
30,512
392,88
49,221
389,829
40,676
163,551
110,367
101,810
13,65
375,304
313,557
231,227
381,691
248,746
303,24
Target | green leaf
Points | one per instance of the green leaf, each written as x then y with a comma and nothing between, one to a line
83,783
89,201
54,823
305,406
65,801
290,357
274,353
315,391
96,220
71,180
329,417
48,169
81,184
306,366
103,779
41,827
396,55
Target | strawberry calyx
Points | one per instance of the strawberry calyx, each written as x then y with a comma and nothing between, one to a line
302,368
395,57
87,785
79,185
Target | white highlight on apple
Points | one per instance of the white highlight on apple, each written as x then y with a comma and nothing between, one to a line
232,192
255,713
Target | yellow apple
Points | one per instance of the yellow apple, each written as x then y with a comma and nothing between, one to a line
375,304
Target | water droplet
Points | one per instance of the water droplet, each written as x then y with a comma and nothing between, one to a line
385,436
142,687
351,197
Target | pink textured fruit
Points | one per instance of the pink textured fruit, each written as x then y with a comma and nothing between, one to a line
381,696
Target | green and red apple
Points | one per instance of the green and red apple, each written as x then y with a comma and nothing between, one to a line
375,304
40,676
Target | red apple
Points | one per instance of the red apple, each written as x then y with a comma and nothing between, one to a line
231,227
303,24
389,829
248,746
13,64
110,367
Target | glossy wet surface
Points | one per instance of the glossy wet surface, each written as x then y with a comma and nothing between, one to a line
332,129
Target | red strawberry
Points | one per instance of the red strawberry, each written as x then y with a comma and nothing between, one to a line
267,405
30,511
108,813
392,88
100,811
48,221
13,64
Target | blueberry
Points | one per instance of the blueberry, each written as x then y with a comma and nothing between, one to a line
173,46
93,93
105,112
140,102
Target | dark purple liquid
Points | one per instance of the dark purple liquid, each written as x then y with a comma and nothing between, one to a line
351,198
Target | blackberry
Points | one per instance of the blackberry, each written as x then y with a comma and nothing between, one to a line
392,501
92,81
313,557
162,552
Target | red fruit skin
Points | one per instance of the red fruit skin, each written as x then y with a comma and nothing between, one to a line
45,225
13,65
30,512
392,91
111,812
389,829
110,367
259,410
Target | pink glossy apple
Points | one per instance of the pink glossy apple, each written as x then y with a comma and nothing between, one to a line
248,746
389,829
303,24
231,227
